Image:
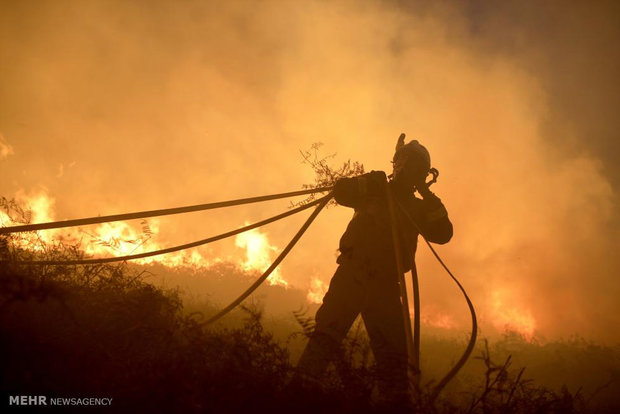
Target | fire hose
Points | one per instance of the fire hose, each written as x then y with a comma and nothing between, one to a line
155,213
169,249
413,340
474,323
320,203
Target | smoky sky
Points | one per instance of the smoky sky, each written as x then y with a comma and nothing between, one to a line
113,106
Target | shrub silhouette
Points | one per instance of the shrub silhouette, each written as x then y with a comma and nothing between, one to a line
103,331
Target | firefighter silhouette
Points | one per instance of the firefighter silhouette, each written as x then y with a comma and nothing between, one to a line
366,280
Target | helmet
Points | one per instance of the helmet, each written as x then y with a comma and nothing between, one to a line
411,160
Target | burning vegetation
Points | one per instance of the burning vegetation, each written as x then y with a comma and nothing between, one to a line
117,330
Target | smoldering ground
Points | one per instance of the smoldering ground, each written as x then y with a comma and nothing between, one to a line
120,106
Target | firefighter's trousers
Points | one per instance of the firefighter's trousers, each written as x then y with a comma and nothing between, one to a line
361,286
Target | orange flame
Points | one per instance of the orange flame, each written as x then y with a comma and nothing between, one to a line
507,316
115,239
317,290
120,238
41,209
439,320
259,254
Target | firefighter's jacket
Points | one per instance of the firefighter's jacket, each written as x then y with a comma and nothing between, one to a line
368,236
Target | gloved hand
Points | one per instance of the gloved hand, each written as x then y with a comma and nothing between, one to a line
352,191
422,187
373,183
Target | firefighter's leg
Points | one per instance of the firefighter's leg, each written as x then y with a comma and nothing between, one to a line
341,305
384,322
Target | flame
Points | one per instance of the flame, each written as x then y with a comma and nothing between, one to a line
121,238
40,204
115,239
258,254
39,208
317,290
507,316
439,320
5,220
118,239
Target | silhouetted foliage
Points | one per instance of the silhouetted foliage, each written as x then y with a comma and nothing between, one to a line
103,331
324,174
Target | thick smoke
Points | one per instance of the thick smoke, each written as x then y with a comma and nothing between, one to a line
123,106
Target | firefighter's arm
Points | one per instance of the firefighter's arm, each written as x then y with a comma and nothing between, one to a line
433,220
355,191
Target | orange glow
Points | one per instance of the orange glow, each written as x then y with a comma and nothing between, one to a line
439,320
5,148
221,104
107,239
121,239
509,316
40,207
317,290
40,204
259,254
